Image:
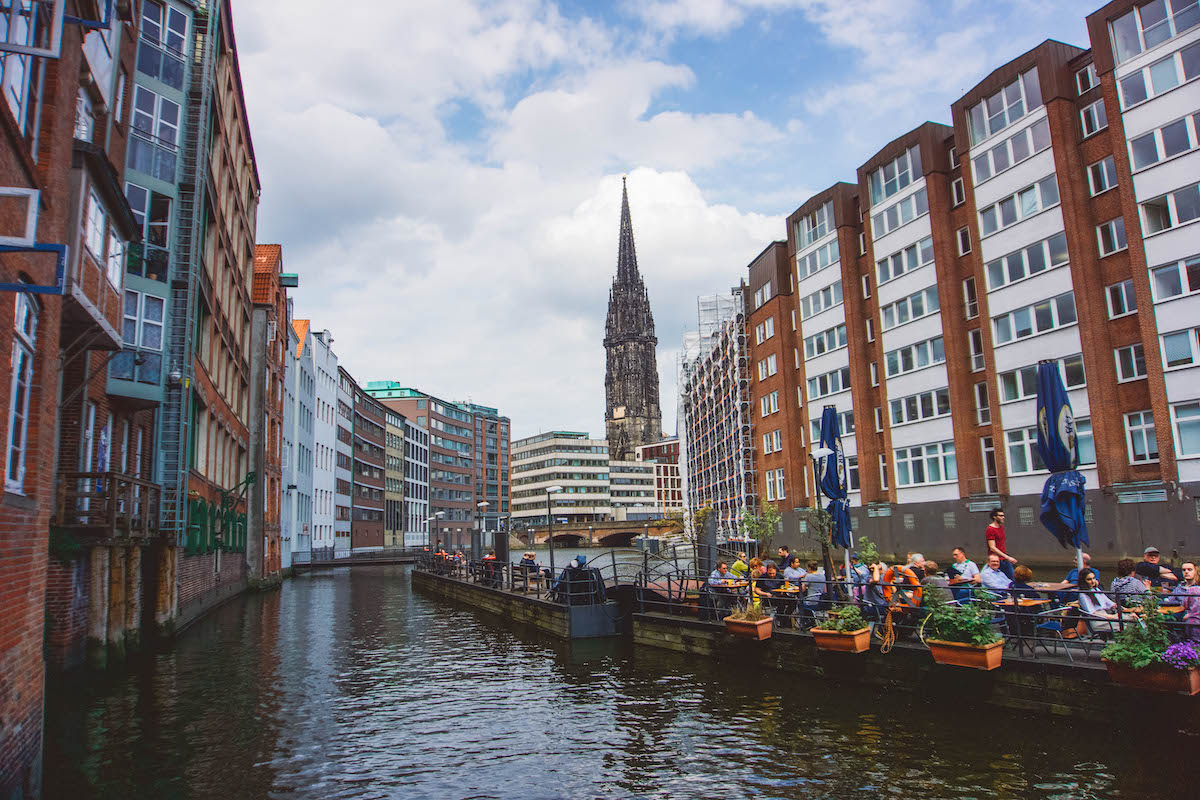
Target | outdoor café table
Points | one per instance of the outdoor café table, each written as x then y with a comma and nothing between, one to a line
1025,615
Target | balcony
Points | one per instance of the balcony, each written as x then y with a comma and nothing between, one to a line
108,505
162,63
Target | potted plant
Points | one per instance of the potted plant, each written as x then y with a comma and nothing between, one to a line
750,622
962,635
1141,656
845,632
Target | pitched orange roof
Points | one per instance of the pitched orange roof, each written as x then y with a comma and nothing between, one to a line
268,263
301,328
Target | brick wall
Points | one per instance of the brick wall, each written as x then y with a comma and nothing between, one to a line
66,612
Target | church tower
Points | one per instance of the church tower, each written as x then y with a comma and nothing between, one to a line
632,414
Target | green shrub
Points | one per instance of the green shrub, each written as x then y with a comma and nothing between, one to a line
848,620
969,623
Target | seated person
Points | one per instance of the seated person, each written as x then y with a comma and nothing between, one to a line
1153,570
1020,587
933,577
718,584
1128,587
756,567
960,574
814,586
991,576
769,582
916,562
1095,605
1185,586
739,567
527,560
1187,594
793,573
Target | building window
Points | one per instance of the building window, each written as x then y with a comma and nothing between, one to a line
1102,175
20,385
964,241
874,373
779,495
1171,210
870,330
1140,437
1174,280
772,365
862,244
895,175
926,464
1021,384
852,473
1048,315
959,191
1024,204
913,307
1086,78
1028,261
983,409
1131,363
866,286
1006,155
915,356
970,298
821,300
978,361
825,342
85,117
901,213
919,407
906,260
878,419
883,471
1111,236
1187,428
812,263
1161,76
1150,25
816,225
954,158
830,383
1093,118
1179,348
767,444
1121,299
1023,455
103,242
153,148
1004,107
1166,142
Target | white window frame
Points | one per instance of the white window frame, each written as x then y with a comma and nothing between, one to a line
1140,425
1023,442
1018,91
878,419
1146,76
907,210
1088,73
874,369
958,191
970,298
905,170
866,286
824,385
1093,118
831,339
862,244
883,471
1144,43
978,356
772,365
1102,176
899,408
1157,137
1024,379
1192,408
999,158
870,330
1182,274
905,260
929,305
1116,232
1009,319
983,405
815,303
928,348
1190,335
940,453
24,357
964,240
813,227
1121,299
827,255
1171,207
1136,355
995,211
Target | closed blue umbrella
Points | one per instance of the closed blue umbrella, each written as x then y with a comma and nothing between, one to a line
833,479
1063,500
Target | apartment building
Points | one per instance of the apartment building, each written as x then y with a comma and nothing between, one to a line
416,485
299,443
716,429
393,490
370,464
344,461
325,439
631,491
1048,221
491,471
569,459
663,457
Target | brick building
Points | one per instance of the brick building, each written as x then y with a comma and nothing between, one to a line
369,472
1048,221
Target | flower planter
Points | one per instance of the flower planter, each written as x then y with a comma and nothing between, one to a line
967,655
1158,678
762,629
858,641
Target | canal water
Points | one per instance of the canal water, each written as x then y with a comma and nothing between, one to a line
347,684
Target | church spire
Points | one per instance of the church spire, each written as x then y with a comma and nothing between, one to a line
627,266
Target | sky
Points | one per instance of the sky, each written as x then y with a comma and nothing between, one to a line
445,175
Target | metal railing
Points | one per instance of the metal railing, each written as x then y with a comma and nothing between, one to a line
570,587
331,555
108,504
1036,624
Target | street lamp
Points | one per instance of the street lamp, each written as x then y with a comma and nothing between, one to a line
478,543
428,520
550,525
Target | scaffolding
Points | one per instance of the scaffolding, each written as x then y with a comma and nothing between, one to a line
717,428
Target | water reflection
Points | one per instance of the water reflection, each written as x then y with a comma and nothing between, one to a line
347,685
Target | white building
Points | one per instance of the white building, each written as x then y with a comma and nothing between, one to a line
560,458
325,372
416,484
299,443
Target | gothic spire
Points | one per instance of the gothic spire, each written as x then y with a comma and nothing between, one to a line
627,267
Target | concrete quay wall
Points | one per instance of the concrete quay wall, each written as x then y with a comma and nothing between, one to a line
545,616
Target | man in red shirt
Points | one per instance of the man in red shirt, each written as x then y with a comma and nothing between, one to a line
997,543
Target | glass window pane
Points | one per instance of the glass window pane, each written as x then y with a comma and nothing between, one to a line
1029,202
1066,308
1058,248
996,274
1145,150
1126,42
1020,148
1187,204
1167,282
1177,348
1008,211
1036,258
1133,89
1016,267
1041,135
1000,157
1175,138
983,169
1033,89
987,220
1043,316
1022,322
1049,189
1192,268
1164,75
1191,61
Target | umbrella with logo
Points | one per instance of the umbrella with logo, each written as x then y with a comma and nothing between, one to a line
832,467
1062,508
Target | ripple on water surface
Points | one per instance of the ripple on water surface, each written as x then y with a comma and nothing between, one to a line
346,684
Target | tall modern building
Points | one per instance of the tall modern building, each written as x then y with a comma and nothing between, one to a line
325,522
560,458
393,490
632,414
1051,220
416,484
491,470
299,443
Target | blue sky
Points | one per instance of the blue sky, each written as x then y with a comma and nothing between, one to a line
445,177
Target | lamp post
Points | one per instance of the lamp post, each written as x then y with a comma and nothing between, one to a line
550,525
428,520
477,543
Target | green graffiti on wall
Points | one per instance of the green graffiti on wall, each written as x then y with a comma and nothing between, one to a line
210,527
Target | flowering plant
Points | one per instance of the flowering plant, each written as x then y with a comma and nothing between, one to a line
1183,655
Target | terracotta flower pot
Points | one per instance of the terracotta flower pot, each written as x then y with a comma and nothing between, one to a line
967,655
1157,678
759,630
858,641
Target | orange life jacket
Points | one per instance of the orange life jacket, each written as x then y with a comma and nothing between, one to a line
902,575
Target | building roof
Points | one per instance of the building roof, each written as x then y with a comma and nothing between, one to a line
301,328
268,263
